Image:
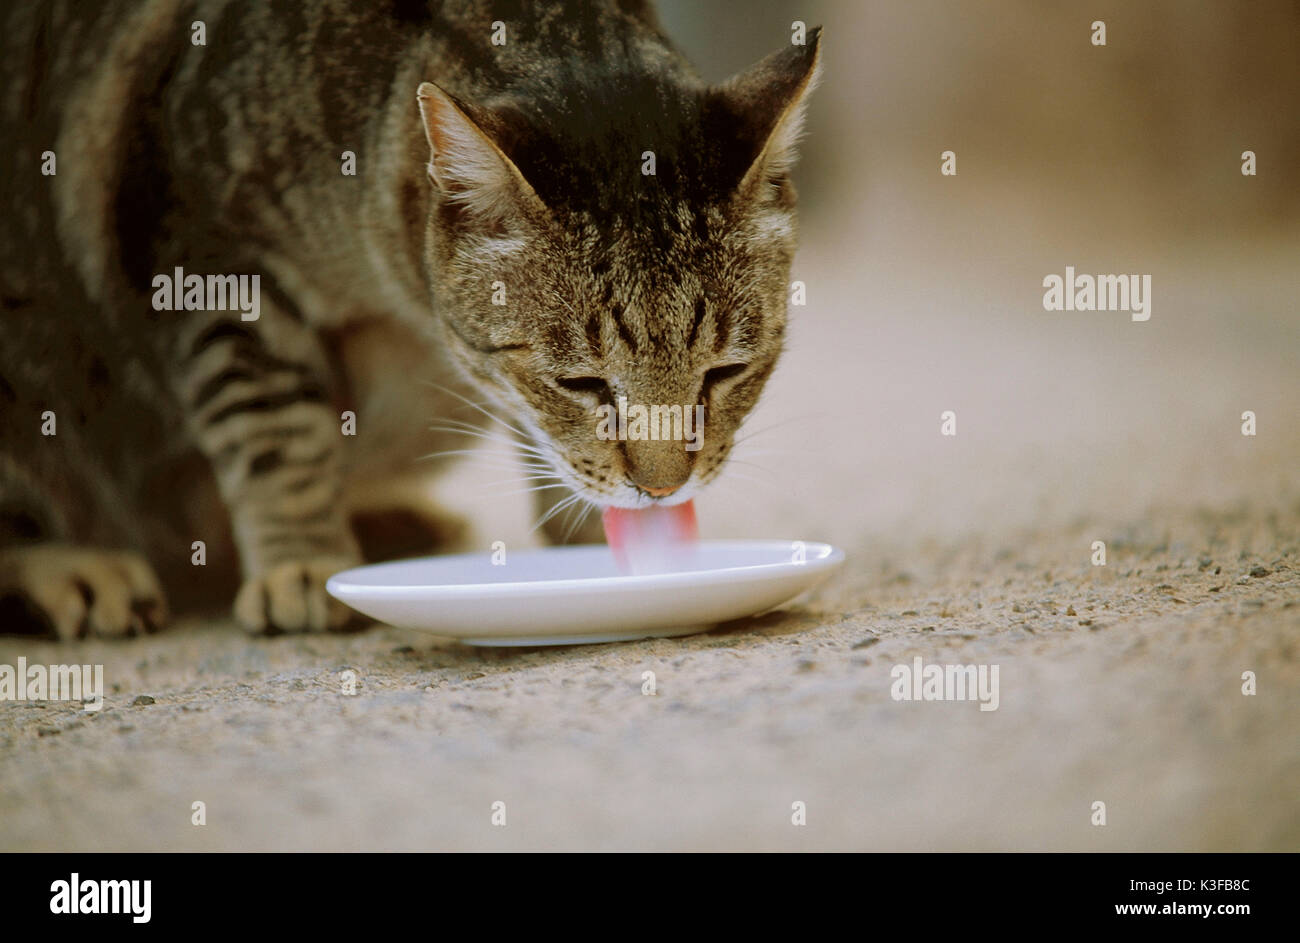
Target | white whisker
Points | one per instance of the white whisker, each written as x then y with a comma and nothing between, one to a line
473,405
577,523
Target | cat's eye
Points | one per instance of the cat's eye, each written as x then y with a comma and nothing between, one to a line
593,386
716,375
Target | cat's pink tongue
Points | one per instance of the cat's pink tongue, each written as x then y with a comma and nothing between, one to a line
651,539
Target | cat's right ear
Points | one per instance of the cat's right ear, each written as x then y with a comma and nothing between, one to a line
770,100
464,163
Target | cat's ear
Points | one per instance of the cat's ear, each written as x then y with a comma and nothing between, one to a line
770,100
464,163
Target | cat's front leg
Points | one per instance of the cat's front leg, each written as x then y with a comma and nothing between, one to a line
258,400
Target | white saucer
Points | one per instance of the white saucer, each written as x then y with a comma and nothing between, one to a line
576,595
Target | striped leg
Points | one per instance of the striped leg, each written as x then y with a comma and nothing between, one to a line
258,402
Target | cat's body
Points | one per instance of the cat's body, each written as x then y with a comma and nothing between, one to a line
227,158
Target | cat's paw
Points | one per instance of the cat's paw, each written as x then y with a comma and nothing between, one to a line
77,592
291,597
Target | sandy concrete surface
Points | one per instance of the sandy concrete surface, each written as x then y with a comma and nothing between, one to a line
1119,685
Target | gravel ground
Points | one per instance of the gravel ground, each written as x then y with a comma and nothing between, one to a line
1118,684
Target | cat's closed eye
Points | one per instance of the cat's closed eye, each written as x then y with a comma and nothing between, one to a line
591,386
716,376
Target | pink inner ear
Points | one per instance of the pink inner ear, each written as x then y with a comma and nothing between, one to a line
450,134
653,539
439,116
440,113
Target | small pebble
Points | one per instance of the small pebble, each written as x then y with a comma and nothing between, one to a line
143,700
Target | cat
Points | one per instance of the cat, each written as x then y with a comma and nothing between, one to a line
549,210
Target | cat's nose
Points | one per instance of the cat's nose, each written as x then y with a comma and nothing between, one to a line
657,468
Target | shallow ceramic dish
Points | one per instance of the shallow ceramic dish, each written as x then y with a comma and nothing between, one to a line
574,595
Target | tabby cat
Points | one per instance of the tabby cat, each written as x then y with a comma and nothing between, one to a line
549,211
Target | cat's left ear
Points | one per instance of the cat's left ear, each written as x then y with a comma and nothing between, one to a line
770,100
465,163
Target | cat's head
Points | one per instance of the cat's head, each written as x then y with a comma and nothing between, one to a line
622,242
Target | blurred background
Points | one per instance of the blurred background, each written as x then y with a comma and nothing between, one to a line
1134,134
